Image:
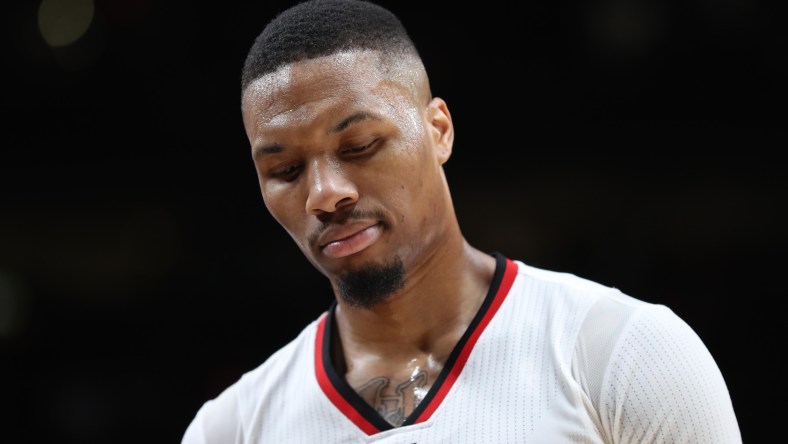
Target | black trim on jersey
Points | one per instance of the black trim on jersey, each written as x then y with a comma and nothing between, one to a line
341,385
361,406
500,267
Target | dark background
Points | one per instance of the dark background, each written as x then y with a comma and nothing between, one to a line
636,143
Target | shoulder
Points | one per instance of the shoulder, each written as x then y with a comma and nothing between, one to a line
559,282
643,370
662,383
554,292
600,310
228,417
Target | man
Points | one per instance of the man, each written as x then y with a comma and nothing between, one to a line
429,339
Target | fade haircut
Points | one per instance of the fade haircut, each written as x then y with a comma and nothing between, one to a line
316,28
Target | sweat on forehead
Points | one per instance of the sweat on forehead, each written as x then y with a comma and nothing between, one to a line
331,85
406,74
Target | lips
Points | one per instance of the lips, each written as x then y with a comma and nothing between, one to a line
346,240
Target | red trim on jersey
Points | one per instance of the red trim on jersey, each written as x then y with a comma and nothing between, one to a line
506,283
329,389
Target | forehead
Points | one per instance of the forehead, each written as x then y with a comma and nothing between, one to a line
306,91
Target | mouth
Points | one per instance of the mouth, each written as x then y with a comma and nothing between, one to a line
344,242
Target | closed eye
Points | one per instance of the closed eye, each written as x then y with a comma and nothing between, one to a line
288,173
359,149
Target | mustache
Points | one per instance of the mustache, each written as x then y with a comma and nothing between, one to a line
350,215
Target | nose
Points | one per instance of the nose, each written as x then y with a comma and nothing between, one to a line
329,188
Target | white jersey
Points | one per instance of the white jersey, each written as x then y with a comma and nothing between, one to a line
549,358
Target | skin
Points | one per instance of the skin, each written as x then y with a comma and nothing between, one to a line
348,148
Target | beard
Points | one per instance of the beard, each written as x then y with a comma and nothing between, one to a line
371,284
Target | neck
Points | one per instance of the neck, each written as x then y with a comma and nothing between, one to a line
427,317
394,351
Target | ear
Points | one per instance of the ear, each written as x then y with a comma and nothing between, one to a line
441,128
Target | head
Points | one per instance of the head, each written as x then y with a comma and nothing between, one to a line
349,144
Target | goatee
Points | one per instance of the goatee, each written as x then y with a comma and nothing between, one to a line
371,284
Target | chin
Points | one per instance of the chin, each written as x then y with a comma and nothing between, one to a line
369,283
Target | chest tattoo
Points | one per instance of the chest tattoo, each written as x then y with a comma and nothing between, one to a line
395,402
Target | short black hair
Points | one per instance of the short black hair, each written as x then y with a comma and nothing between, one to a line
316,28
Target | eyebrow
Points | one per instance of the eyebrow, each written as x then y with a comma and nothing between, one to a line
341,126
269,149
353,118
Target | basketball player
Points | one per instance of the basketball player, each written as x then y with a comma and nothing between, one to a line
429,340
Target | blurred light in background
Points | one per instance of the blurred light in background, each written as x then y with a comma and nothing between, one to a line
62,22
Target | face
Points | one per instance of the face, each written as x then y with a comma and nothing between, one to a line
349,158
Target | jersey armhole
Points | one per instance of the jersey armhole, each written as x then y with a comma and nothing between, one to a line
598,336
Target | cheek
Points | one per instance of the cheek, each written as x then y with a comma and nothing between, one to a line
415,176
292,220
283,206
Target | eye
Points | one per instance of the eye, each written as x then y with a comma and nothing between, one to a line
287,173
359,149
